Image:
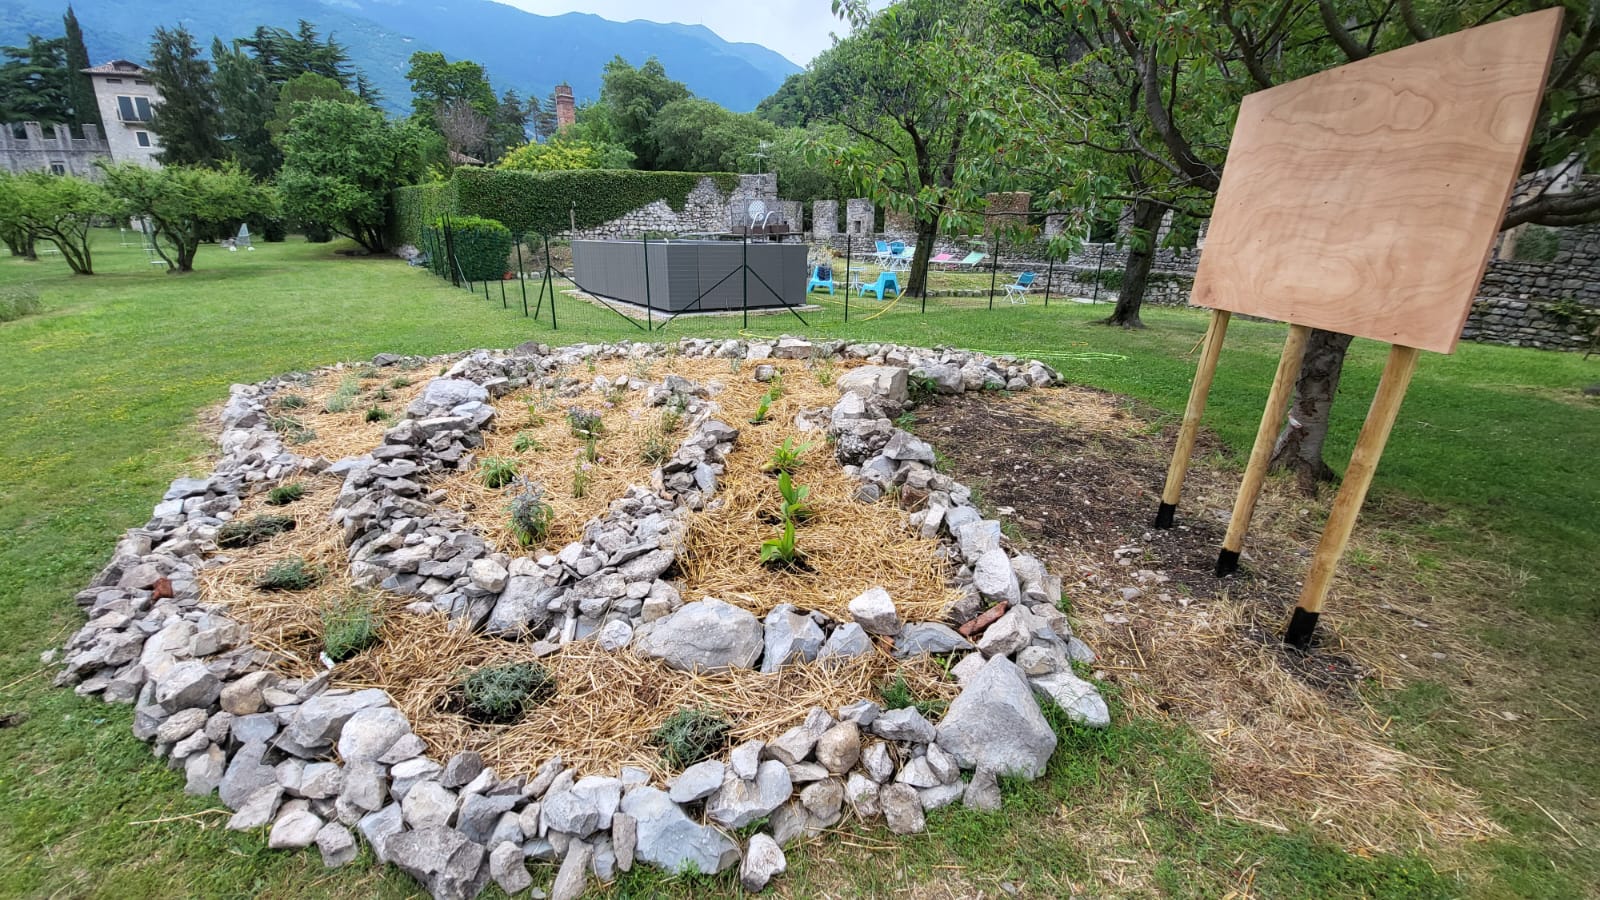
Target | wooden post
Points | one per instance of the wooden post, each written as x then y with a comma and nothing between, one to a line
1357,478
1255,472
1198,392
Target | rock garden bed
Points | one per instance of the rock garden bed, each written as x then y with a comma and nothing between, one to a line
594,606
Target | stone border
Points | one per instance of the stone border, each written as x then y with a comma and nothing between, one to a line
313,761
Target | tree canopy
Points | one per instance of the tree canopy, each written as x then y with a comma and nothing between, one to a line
185,205
340,161
187,120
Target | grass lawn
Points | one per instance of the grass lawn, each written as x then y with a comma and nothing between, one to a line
98,398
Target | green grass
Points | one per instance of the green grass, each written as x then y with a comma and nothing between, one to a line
99,392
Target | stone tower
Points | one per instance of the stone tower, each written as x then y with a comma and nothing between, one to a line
566,108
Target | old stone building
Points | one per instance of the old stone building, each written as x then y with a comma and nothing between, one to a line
127,99
25,147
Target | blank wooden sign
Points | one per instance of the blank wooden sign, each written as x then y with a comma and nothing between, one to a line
1365,199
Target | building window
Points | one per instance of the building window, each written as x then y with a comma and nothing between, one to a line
143,137
58,168
133,109
141,81
113,81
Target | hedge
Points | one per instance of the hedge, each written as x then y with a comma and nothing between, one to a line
412,208
546,202
481,247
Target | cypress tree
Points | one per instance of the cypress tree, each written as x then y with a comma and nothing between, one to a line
80,87
187,120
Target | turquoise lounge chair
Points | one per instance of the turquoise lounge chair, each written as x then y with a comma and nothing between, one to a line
821,276
887,281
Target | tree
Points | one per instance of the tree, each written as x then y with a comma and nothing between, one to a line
300,89
185,204
562,152
340,161
695,135
911,141
543,117
33,82
510,126
284,55
80,87
186,120
630,99
465,130
13,227
60,209
246,106
436,83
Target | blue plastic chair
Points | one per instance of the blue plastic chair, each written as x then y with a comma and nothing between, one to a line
882,252
887,281
1018,292
821,276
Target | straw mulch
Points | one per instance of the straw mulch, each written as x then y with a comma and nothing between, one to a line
608,704
334,435
629,425
848,546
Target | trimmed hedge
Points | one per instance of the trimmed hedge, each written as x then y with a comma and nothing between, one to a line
412,208
544,202
481,247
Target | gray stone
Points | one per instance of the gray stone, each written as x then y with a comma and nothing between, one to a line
371,732
337,845
180,725
941,795
946,379
970,665
805,773
624,838
293,830
763,859
243,696
983,791
480,815
1078,651
874,611
258,809
405,775
614,635
321,781
487,575
1008,634
203,771
670,840
246,774
794,745
848,641
448,865
365,784
994,723
823,799
918,774
994,578
861,712
584,808
877,761
187,684
886,382
461,769
708,635
1077,698
744,759
377,827
522,607
902,809
839,748
698,781
544,777
739,802
791,636
906,447
905,724
1038,660
978,538
507,869
928,637
573,876
429,804
318,721
447,393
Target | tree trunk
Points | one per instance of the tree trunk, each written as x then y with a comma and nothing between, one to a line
917,278
1141,256
1299,446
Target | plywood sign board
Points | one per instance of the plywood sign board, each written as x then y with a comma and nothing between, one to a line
1365,199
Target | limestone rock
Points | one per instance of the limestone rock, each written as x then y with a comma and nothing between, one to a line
928,637
709,635
791,636
902,809
995,724
448,865
763,859
839,748
739,802
667,838
875,612
1076,697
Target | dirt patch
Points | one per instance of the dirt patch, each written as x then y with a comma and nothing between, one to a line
1078,472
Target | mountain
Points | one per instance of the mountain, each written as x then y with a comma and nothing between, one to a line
520,50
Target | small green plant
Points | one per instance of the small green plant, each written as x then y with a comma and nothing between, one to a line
504,692
761,409
349,626
691,735
905,420
775,385
781,550
656,449
285,494
670,420
1565,310
291,401
644,369
399,381
585,423
794,498
290,575
17,301
344,396
239,533
383,395
580,478
786,458
530,515
922,388
824,372
526,443
368,373
377,414
497,471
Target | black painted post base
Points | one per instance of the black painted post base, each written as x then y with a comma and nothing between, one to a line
1164,515
1227,563
1302,627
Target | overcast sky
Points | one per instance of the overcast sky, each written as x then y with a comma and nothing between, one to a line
797,29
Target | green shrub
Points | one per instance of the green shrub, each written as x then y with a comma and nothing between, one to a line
502,693
378,414
290,575
1537,243
344,397
238,533
412,208
285,494
291,401
17,301
691,735
349,626
497,471
480,245
530,515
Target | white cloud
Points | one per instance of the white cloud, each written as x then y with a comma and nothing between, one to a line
798,29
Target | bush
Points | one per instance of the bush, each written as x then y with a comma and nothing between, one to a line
1537,243
545,202
502,693
349,626
290,575
480,245
18,301
285,494
316,232
239,533
690,736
